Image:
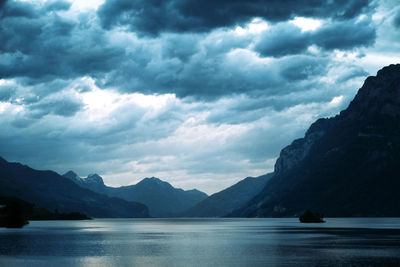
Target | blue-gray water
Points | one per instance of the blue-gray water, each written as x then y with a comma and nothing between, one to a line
203,242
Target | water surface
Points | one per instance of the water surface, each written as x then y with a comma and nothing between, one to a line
203,242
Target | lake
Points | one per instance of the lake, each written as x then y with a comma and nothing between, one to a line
203,242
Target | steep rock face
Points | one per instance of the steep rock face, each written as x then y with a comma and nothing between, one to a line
292,155
47,189
347,165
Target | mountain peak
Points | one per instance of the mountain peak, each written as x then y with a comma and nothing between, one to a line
389,72
379,95
154,181
72,176
95,179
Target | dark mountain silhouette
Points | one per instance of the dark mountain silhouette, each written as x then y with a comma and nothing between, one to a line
229,199
161,197
47,189
348,165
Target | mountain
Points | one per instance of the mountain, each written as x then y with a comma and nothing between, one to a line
161,197
347,165
229,199
47,189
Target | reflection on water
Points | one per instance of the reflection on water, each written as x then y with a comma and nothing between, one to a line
203,242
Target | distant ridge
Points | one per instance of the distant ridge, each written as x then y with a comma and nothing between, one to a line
224,202
348,165
161,197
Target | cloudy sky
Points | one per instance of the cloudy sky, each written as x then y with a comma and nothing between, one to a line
198,93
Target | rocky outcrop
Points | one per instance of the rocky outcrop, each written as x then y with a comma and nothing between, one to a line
292,155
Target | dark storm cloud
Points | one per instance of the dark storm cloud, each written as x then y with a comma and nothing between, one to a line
346,35
16,9
287,39
353,73
396,20
40,46
210,76
45,50
284,39
57,5
65,106
6,92
203,77
180,46
155,16
39,91
10,8
302,68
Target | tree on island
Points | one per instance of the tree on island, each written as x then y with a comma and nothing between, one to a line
12,215
310,217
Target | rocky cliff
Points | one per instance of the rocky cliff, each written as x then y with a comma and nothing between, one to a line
347,165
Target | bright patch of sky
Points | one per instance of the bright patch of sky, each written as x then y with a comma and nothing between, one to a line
306,24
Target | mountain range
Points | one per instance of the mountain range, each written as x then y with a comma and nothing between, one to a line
347,165
161,197
47,189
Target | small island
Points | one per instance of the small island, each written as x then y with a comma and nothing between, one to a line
310,217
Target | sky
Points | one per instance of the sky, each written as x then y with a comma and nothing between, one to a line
198,93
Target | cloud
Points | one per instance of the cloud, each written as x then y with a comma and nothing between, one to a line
396,19
288,39
11,8
57,6
219,65
346,35
37,45
352,73
47,50
298,68
155,17
180,46
62,105
283,39
7,92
